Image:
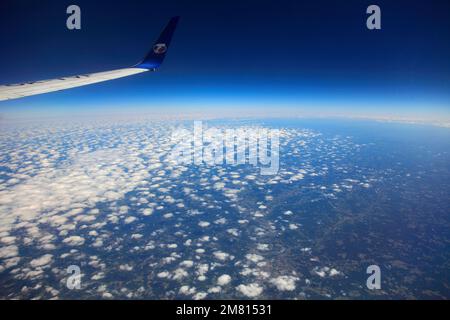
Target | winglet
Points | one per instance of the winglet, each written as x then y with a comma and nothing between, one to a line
156,56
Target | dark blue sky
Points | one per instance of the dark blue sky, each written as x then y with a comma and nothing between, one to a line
315,55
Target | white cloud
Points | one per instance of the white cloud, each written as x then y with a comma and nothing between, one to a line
11,262
214,289
102,175
147,212
34,274
9,252
129,220
107,295
186,290
123,209
125,267
179,274
293,226
324,271
48,246
98,276
199,296
202,269
221,255
74,241
251,290
163,274
223,280
187,263
98,243
219,186
220,221
333,272
233,232
8,240
262,246
203,224
254,257
42,261
285,283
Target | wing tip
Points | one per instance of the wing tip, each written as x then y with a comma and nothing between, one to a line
157,53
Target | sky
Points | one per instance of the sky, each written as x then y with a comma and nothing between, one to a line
311,57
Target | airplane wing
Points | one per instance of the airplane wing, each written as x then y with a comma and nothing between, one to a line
151,62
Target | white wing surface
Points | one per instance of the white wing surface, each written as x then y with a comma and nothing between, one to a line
15,91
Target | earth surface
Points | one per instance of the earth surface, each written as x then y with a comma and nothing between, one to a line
106,199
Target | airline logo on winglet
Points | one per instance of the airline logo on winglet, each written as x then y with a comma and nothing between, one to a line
159,48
